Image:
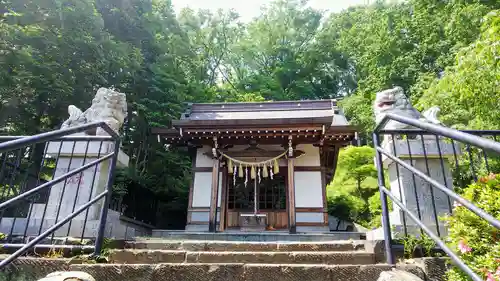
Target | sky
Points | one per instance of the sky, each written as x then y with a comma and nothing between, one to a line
249,9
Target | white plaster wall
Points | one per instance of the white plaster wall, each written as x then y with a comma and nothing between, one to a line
202,189
203,160
311,156
309,217
308,190
199,216
202,216
219,194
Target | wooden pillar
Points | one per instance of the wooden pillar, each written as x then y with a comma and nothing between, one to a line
322,161
291,197
212,218
223,199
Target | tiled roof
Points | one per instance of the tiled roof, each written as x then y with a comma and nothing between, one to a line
313,110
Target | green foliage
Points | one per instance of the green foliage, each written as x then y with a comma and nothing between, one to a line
409,44
468,93
415,246
474,239
358,162
353,195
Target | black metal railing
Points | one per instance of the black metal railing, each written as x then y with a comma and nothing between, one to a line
51,185
430,162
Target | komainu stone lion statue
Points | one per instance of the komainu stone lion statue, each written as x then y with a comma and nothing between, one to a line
108,106
395,101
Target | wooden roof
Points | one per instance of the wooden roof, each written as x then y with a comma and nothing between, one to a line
271,122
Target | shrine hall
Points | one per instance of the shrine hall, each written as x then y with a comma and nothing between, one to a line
260,166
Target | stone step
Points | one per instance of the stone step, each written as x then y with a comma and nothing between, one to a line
175,256
236,246
257,236
236,272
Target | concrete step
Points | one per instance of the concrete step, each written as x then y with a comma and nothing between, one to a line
175,256
236,272
236,246
257,236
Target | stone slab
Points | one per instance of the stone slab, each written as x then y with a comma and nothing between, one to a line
146,256
29,269
236,272
118,272
256,236
169,256
246,246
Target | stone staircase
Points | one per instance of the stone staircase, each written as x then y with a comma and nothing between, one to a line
157,259
162,260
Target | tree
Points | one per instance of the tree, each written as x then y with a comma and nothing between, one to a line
279,58
358,163
355,185
408,44
468,93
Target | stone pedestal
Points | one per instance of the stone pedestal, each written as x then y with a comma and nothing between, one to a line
253,222
411,189
67,196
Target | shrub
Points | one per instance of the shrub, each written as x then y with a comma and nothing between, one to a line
474,239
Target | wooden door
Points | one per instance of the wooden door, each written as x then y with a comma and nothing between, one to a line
271,196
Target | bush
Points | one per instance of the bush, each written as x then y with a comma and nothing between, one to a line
474,239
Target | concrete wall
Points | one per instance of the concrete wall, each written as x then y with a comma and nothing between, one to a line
117,227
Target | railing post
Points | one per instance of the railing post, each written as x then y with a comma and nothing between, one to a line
104,211
383,199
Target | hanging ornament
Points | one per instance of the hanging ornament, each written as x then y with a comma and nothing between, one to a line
252,172
234,176
276,167
240,171
230,166
264,171
258,173
246,176
271,173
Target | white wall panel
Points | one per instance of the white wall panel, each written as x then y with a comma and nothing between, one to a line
311,156
201,189
203,160
308,190
309,217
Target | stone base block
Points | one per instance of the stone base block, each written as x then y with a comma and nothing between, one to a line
253,222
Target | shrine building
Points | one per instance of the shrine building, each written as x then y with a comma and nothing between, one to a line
260,166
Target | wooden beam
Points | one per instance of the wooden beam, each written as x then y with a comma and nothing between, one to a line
202,169
212,218
308,168
291,197
308,210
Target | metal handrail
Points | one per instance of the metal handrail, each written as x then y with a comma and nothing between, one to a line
18,142
49,136
467,137
437,129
